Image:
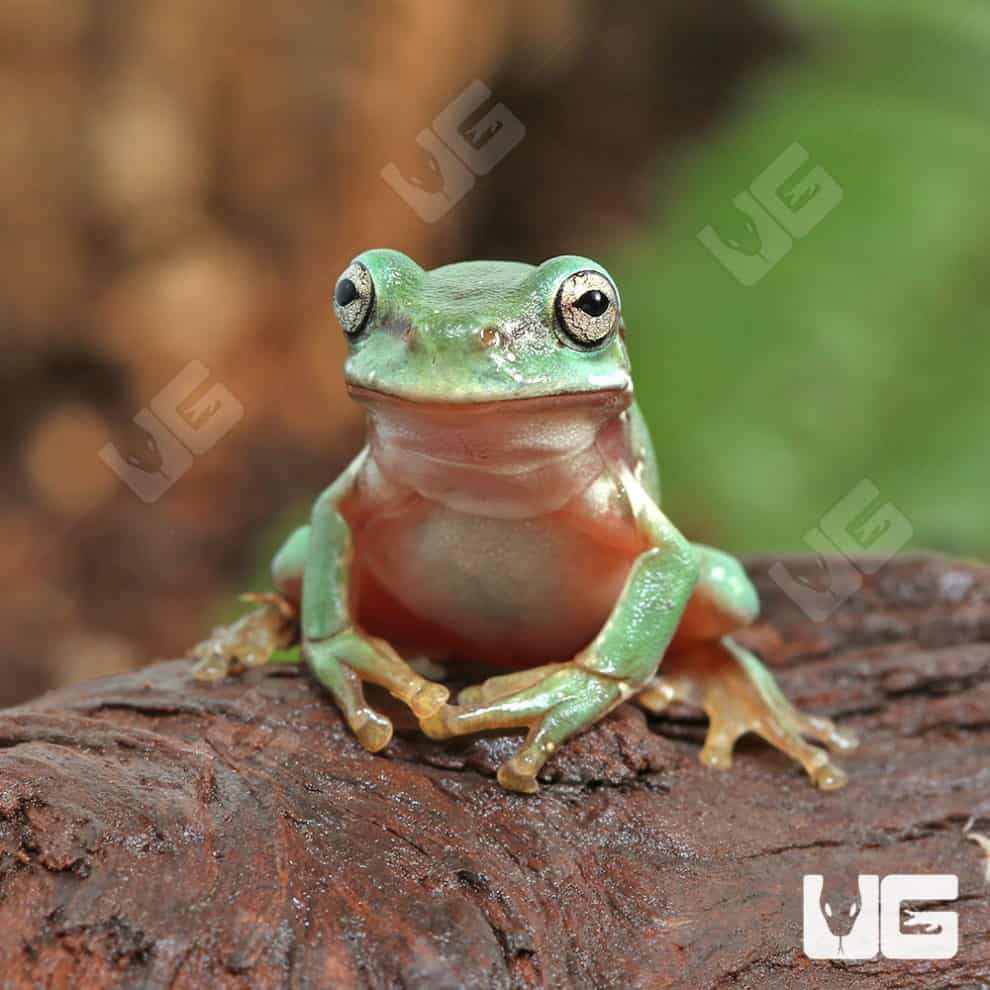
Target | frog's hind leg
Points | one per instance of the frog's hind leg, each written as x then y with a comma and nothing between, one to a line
274,625
707,669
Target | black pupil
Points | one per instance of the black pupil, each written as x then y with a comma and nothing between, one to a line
594,303
346,292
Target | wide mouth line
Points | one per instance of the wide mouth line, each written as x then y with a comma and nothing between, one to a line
505,470
603,396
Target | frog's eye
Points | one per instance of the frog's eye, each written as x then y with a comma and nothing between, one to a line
354,297
587,309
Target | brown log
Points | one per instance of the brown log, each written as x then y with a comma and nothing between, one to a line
157,832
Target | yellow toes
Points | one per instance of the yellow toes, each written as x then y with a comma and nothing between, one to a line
253,658
826,731
657,697
844,740
514,779
717,752
435,725
213,664
824,774
828,777
373,731
429,699
474,695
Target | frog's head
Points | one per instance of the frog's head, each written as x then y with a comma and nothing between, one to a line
481,331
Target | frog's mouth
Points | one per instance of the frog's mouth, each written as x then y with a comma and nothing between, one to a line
607,400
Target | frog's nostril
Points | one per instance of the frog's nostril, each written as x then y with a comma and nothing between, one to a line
489,337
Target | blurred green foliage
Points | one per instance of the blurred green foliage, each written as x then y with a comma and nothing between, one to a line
864,352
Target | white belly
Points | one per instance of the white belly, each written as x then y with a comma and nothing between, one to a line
517,591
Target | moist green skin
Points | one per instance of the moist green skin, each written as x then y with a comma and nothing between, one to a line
508,501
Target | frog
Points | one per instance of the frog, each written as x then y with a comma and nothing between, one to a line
505,511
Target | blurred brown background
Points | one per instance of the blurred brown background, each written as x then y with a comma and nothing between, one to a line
183,181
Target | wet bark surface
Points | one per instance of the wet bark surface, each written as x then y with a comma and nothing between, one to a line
157,832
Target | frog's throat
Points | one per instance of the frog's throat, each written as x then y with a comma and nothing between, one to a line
517,458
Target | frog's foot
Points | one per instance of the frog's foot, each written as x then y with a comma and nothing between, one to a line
248,642
740,695
553,702
343,661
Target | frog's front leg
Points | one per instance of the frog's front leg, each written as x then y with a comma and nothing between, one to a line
559,700
340,654
707,669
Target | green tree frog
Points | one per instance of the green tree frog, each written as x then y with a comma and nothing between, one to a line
506,509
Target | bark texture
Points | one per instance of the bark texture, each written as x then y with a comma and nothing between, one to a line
156,832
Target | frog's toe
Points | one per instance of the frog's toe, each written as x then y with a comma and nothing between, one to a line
505,684
717,751
473,695
837,739
373,730
429,698
213,662
830,778
514,778
435,725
